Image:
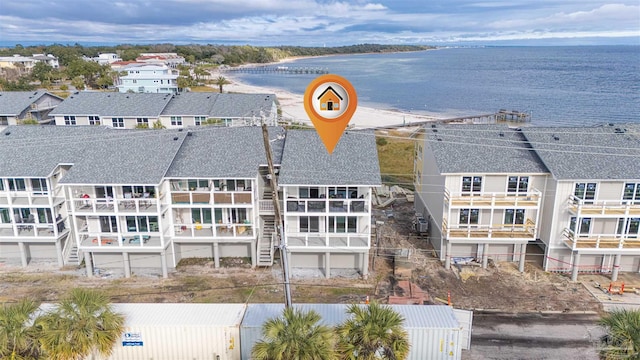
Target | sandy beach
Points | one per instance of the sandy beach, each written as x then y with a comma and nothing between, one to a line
293,107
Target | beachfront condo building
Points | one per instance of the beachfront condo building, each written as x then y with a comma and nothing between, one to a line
143,110
148,78
489,191
148,199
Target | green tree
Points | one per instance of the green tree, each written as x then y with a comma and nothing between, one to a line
295,335
221,81
18,332
200,72
78,82
622,340
42,72
80,325
372,332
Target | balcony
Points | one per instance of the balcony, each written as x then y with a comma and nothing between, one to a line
197,197
613,208
92,241
600,241
358,206
132,205
526,231
26,198
30,230
492,200
183,231
328,240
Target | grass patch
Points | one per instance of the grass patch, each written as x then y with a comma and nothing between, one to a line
396,155
202,89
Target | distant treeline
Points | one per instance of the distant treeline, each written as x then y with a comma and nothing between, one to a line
194,53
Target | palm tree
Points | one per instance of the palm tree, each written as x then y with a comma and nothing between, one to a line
221,81
622,340
295,335
372,332
18,333
81,325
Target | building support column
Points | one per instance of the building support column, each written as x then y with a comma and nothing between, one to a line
23,254
365,265
447,255
88,264
216,255
616,267
254,254
327,264
163,264
523,256
576,264
127,265
485,256
59,253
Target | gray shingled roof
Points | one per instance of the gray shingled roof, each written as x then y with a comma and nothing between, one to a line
191,103
113,104
609,152
242,105
12,103
305,160
35,151
224,152
461,148
99,155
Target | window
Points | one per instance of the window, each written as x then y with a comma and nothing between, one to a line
341,224
176,120
138,190
343,192
108,224
117,122
142,121
630,227
585,225
44,216
200,119
94,120
309,224
203,216
469,216
39,186
309,192
69,120
518,184
4,216
1,184
142,223
471,184
514,217
631,192
17,185
585,191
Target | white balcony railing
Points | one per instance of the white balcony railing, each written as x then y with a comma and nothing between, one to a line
359,206
328,240
615,208
493,199
600,241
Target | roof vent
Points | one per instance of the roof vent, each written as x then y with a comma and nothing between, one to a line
610,124
556,138
189,133
501,134
35,93
179,130
438,139
433,126
175,138
8,133
435,130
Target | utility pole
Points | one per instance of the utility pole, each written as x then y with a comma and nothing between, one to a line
279,220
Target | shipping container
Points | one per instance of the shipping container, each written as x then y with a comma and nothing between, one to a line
179,331
434,332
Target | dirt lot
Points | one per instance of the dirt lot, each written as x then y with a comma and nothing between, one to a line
500,286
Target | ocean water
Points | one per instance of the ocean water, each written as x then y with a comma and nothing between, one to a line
576,85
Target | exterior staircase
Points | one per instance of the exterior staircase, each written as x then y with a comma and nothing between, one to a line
266,241
71,253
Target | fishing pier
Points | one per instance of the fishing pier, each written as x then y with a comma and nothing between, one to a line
277,70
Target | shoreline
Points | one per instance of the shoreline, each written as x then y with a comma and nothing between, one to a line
292,106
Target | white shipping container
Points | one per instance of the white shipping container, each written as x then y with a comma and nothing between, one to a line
434,332
180,331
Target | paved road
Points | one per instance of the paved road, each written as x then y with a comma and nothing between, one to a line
533,336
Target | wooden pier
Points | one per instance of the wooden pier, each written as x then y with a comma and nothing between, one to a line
278,70
501,116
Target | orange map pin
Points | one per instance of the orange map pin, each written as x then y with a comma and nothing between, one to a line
330,101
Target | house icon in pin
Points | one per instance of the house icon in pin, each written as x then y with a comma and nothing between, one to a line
329,100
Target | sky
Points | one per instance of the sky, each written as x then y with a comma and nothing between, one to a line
321,22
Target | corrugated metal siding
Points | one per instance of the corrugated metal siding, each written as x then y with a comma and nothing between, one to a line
434,332
182,331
